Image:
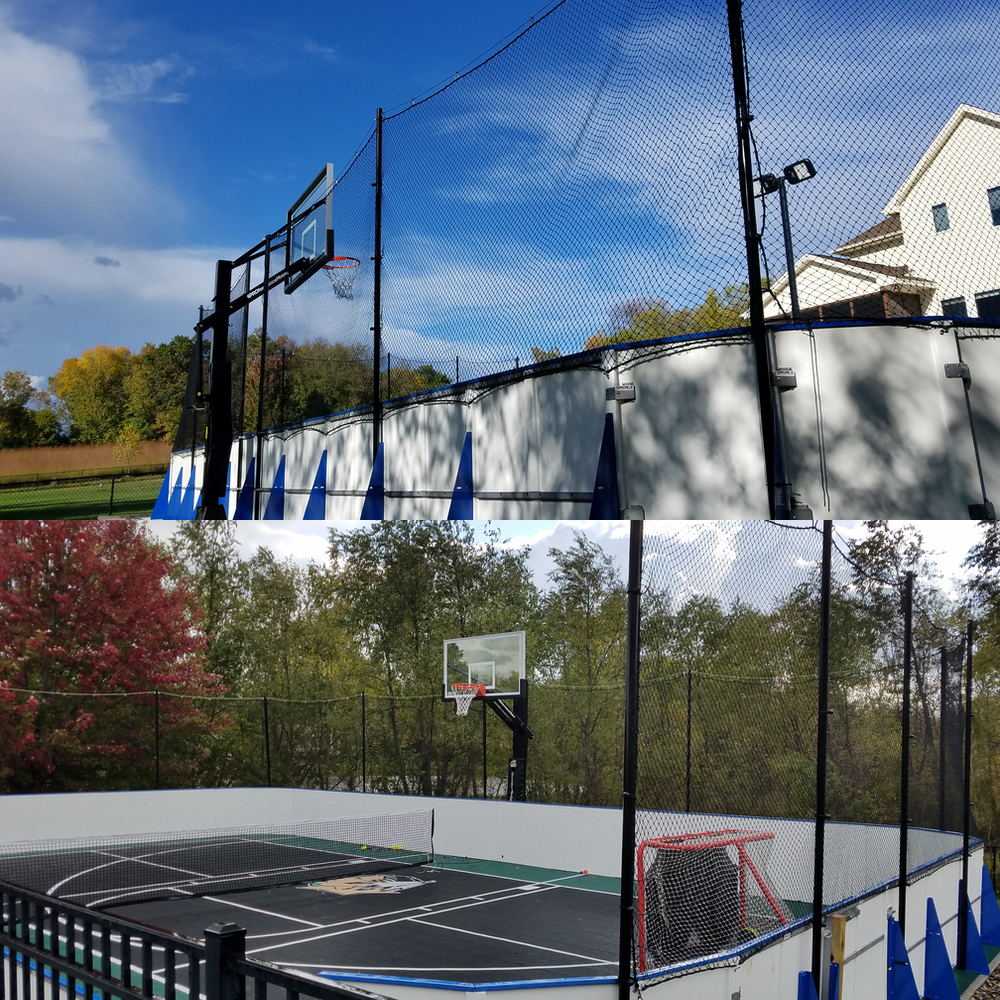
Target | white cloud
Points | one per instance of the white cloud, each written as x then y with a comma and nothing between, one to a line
131,81
152,295
62,169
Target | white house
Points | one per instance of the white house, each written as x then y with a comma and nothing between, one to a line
936,253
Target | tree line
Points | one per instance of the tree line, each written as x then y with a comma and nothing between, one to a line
109,394
727,700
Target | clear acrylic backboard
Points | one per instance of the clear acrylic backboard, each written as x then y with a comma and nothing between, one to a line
495,661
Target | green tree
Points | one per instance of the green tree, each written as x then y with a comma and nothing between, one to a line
584,654
984,603
402,588
18,428
154,388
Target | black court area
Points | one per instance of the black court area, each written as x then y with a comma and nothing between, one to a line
456,923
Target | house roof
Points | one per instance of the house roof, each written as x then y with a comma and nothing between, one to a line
870,271
883,230
887,269
962,113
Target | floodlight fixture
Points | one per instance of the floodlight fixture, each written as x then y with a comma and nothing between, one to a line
800,171
794,173
765,184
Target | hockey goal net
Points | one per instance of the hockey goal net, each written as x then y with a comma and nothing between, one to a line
704,893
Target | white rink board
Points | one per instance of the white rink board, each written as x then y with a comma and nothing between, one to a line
895,433
549,836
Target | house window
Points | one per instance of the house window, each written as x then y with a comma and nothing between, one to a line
994,195
954,307
988,304
940,213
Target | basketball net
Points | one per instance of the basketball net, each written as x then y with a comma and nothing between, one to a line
341,274
464,695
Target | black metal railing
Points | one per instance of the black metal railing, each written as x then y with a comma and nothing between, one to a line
50,946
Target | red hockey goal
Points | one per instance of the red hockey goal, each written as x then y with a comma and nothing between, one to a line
703,893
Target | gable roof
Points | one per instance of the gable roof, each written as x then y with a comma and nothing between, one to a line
881,231
962,112
881,275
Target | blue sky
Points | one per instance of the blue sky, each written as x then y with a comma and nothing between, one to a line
591,165
142,140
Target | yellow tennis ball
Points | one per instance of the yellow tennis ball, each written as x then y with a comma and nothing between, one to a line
364,847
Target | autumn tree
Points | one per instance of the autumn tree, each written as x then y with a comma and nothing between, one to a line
92,613
93,389
654,320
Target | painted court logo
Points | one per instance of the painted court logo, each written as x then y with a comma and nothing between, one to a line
359,885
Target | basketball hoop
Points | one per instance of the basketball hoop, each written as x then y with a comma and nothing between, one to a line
341,273
464,695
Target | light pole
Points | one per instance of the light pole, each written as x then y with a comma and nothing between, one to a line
794,173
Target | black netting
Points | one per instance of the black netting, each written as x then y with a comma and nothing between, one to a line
579,187
897,107
727,739
729,706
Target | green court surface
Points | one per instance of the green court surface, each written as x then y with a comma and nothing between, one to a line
549,876
133,496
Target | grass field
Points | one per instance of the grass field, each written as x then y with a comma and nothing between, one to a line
82,499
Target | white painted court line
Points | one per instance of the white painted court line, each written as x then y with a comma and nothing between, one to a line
266,913
351,926
496,895
589,959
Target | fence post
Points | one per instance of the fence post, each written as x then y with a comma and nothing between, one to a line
630,775
267,743
687,765
963,905
904,775
364,746
823,715
156,725
223,942
111,499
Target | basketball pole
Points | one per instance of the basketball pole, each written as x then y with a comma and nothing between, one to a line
220,404
377,279
631,768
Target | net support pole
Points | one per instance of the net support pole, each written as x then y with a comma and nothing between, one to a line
377,308
904,772
822,728
631,761
963,911
262,382
942,739
778,491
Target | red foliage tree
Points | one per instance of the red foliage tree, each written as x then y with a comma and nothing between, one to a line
93,621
